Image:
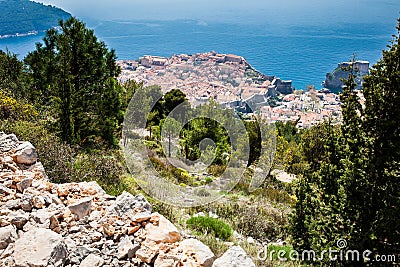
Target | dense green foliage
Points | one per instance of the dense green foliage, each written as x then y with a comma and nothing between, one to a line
210,225
350,188
13,79
23,16
381,126
254,134
200,129
171,100
76,74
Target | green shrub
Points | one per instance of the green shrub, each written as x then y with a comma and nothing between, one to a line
216,170
171,173
256,218
261,223
202,192
182,175
172,213
154,146
106,168
209,225
274,195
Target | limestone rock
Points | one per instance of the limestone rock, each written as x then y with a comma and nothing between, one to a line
8,235
126,203
26,202
62,191
78,224
7,142
234,257
6,256
42,217
5,138
134,229
54,224
147,252
13,204
26,154
205,257
24,184
92,261
167,260
5,191
39,171
19,218
126,248
38,202
141,217
96,236
164,232
108,229
91,188
81,208
40,247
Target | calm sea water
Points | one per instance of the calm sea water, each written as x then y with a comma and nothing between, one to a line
300,53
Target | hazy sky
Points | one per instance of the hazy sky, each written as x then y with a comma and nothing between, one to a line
312,11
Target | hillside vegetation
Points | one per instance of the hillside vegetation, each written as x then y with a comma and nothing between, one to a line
23,16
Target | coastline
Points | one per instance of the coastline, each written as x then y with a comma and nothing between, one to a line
5,36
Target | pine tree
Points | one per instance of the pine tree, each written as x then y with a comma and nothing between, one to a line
78,72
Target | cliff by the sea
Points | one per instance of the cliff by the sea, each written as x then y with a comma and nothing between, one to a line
334,80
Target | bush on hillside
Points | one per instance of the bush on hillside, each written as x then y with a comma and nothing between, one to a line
209,225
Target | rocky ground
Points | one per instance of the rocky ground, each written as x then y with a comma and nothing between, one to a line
79,224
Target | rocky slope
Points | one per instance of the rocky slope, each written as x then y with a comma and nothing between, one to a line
78,224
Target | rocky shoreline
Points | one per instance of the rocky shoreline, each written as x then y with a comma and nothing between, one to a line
79,224
18,34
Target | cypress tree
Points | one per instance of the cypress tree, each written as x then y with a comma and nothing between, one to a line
353,194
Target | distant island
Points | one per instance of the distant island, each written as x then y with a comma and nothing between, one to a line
24,17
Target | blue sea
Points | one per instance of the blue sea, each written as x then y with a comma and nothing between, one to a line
301,53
